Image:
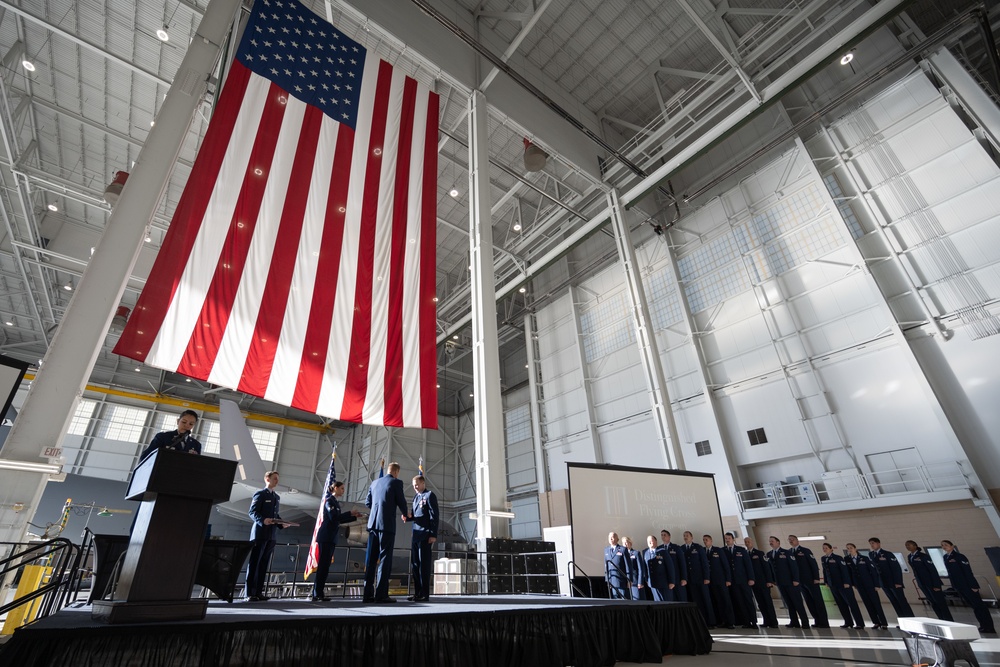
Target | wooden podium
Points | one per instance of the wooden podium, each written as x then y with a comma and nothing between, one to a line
177,490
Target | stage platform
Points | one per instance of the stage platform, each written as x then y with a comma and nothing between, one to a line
467,631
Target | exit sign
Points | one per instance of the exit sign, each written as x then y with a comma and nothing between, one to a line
52,452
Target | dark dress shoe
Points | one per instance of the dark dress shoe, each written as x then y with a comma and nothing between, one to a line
412,598
846,625
368,600
775,625
422,599
794,625
385,600
991,631
253,598
318,598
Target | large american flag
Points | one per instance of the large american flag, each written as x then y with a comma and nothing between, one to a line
299,265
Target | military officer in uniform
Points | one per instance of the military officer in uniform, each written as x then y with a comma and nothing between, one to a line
659,565
720,579
926,574
326,536
890,576
864,576
809,582
384,495
266,522
786,578
965,582
616,563
424,516
698,581
180,439
638,576
837,576
676,554
763,580
741,574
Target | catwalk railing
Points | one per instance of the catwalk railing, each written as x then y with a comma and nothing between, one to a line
456,572
58,575
847,487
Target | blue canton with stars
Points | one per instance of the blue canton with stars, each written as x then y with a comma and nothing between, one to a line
305,55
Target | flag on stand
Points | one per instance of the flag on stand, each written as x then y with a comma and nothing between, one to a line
312,560
420,465
300,261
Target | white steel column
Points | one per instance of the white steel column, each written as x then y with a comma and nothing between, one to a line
535,404
491,466
70,359
595,436
659,398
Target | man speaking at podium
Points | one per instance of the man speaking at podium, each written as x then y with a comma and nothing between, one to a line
181,439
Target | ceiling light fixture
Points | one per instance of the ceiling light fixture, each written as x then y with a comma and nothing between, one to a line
9,323
162,34
114,189
534,157
53,208
847,58
453,192
68,287
522,290
517,226
28,65
120,319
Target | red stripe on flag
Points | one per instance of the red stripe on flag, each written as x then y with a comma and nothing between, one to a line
151,308
356,385
393,403
214,316
260,357
428,256
317,339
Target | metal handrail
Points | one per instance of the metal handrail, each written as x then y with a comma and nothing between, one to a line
571,568
607,573
58,547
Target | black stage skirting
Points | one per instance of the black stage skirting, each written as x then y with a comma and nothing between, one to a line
468,631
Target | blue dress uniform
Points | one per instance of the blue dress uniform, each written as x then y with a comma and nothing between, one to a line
890,576
964,581
786,577
838,577
864,576
637,574
661,571
425,526
265,505
384,496
676,554
172,440
925,572
326,540
697,568
741,574
720,578
762,576
811,593
616,572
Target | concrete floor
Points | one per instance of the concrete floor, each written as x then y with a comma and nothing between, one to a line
826,648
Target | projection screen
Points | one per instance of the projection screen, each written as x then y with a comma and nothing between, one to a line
637,502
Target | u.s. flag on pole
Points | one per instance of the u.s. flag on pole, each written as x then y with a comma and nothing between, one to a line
299,265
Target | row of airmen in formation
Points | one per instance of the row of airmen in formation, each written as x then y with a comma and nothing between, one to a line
725,581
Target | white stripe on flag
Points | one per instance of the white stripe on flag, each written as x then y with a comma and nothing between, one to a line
182,315
288,356
331,397
235,343
374,405
411,286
